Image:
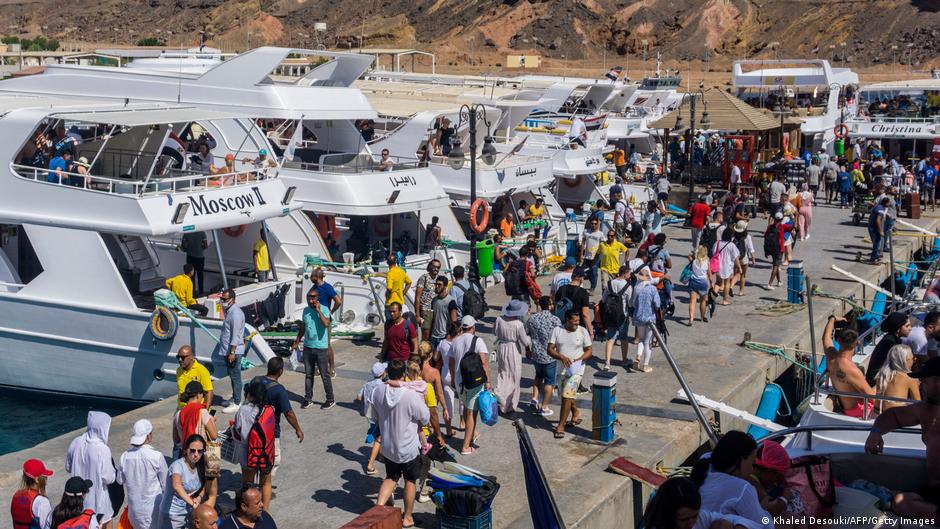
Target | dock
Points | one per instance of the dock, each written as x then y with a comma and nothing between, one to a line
321,483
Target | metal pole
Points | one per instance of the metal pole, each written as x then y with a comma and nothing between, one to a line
812,337
473,274
218,254
688,146
890,241
267,239
712,437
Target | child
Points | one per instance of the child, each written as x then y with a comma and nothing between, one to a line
415,383
365,395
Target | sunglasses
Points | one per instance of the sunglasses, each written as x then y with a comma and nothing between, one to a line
180,358
196,451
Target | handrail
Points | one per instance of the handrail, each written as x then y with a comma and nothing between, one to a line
829,390
189,182
780,434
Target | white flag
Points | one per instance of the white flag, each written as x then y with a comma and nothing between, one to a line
295,140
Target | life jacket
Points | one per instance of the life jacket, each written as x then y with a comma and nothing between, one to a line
82,521
261,440
21,509
189,419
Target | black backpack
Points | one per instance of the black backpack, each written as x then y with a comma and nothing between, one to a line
473,303
709,238
515,278
614,315
772,241
472,373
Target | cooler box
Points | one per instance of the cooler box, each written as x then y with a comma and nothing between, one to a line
485,252
912,205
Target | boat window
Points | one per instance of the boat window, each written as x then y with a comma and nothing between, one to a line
19,263
900,102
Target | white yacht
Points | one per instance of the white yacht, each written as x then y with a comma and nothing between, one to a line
83,249
823,96
354,208
904,116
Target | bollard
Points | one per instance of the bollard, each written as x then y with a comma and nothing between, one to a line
604,413
795,282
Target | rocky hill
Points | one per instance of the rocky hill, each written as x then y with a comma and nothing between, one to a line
862,32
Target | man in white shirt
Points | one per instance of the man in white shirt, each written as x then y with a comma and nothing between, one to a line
735,175
570,345
577,134
468,397
142,470
400,411
563,277
592,239
923,339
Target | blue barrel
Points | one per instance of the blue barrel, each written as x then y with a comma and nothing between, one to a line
795,282
767,409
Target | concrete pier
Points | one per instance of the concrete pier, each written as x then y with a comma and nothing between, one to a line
321,484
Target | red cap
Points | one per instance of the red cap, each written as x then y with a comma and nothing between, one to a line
229,156
35,468
773,457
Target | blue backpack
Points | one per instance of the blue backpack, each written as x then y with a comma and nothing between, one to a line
489,407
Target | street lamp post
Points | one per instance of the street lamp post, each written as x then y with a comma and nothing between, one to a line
457,158
690,133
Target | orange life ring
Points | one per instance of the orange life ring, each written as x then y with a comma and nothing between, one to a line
841,130
573,183
479,227
235,231
382,226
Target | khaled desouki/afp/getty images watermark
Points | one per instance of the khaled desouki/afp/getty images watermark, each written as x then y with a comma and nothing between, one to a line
843,521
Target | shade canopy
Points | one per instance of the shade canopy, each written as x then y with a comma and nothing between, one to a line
725,113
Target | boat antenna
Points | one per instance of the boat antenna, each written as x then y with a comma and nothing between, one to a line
179,77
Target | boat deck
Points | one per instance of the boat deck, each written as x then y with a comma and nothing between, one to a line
321,484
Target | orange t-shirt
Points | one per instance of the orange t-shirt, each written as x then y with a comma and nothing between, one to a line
619,158
505,228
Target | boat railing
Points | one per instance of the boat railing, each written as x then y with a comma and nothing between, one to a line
15,287
178,182
866,399
350,163
876,118
811,429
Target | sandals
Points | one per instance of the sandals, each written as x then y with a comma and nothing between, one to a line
371,471
575,422
468,452
558,435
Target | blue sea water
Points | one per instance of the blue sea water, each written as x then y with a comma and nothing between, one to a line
31,418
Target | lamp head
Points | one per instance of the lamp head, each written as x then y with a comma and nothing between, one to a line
706,123
456,157
679,124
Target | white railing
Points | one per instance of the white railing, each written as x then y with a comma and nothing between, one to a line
187,182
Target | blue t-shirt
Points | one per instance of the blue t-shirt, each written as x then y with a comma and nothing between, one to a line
845,182
876,211
264,522
929,176
327,293
315,333
56,163
190,480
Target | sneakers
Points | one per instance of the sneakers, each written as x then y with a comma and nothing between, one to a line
582,390
545,412
306,404
327,405
231,408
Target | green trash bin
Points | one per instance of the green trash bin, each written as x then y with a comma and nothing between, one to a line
485,251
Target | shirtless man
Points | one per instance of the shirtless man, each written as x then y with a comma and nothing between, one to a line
844,374
924,503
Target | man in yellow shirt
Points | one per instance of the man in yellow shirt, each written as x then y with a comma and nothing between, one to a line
397,283
609,252
262,262
191,370
182,286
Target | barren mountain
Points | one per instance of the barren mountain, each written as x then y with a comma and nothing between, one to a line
862,32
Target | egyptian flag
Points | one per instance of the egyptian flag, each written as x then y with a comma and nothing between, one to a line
174,147
614,73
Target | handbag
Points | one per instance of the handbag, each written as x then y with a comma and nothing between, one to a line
686,274
714,263
213,459
228,446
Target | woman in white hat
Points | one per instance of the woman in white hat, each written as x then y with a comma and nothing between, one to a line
81,167
511,342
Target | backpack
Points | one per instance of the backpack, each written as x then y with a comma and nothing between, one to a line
514,278
473,303
564,303
772,241
472,374
636,232
613,314
261,440
709,238
489,408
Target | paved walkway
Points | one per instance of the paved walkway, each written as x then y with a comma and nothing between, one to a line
322,486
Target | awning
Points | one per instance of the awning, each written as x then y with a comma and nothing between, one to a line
132,117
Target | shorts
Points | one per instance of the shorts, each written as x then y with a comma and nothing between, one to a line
410,470
546,372
277,455
699,286
569,386
776,258
663,196
858,410
373,433
620,332
621,170
468,397
427,320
